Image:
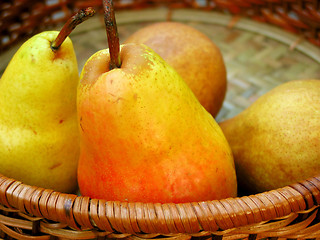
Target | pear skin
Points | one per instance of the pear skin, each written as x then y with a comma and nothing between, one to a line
144,135
39,136
193,55
276,141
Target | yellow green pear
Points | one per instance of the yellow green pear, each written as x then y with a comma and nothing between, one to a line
276,141
39,139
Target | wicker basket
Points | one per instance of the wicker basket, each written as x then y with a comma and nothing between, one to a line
29,212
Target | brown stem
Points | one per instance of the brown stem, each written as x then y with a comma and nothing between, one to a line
72,22
112,34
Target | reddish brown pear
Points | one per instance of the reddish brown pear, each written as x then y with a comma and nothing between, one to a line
193,55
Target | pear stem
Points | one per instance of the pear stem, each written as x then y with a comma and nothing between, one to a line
112,34
75,20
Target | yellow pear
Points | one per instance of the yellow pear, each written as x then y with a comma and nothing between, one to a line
39,137
193,55
276,141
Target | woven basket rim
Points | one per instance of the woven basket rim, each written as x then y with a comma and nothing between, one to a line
81,212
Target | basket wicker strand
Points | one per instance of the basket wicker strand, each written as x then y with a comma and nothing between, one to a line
20,18
290,212
30,212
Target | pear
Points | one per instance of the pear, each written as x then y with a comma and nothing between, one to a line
144,136
276,141
39,136
193,55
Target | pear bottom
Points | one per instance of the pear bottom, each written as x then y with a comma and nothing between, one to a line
46,159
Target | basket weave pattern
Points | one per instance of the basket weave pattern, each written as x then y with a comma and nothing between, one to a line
290,212
29,212
20,18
